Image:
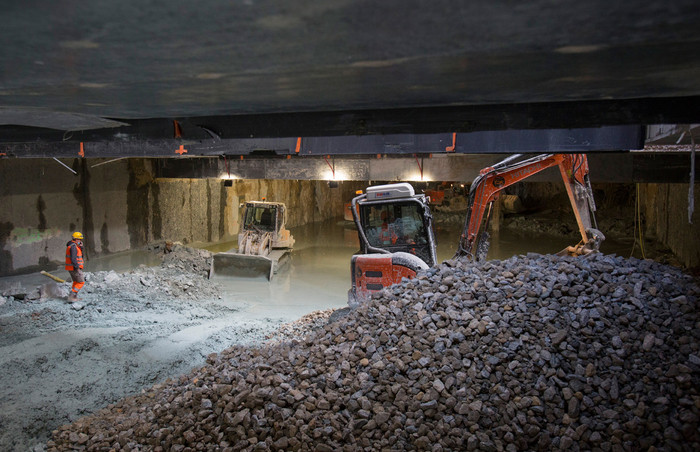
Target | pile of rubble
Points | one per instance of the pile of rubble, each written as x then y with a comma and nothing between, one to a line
562,224
299,328
190,260
183,274
532,353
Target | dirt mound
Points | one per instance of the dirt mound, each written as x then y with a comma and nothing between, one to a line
190,260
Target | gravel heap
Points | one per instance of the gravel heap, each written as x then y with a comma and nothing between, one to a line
299,328
183,274
190,260
563,224
532,353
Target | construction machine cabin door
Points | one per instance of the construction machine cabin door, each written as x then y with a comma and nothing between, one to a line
398,227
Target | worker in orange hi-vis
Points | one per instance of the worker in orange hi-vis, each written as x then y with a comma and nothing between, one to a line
387,236
74,264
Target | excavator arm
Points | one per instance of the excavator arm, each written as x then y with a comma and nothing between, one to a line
487,187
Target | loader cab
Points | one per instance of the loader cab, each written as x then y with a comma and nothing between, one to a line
263,216
393,218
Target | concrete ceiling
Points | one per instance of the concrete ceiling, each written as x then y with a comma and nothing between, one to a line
389,65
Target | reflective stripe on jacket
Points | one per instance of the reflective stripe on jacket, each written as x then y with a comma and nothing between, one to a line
74,256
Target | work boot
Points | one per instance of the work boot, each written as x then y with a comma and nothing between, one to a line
73,297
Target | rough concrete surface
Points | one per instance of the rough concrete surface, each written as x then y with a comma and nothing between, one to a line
60,361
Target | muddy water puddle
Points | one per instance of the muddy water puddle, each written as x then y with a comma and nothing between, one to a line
317,276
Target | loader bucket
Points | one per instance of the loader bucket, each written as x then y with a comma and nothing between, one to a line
233,264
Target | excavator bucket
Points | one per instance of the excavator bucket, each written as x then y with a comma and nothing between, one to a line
246,265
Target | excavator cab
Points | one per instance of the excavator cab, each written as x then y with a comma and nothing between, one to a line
397,227
396,235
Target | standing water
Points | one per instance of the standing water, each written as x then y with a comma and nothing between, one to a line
317,276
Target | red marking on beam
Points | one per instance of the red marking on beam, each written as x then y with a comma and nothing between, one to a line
420,167
82,150
228,170
178,129
181,150
329,165
454,143
298,145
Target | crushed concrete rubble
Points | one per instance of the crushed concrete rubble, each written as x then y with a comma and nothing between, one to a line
128,331
298,329
182,275
531,353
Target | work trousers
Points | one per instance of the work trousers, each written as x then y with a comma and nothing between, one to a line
78,279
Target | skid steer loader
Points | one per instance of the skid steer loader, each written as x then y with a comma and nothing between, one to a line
264,243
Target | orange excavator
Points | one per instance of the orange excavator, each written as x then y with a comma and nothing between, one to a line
396,235
487,187
396,232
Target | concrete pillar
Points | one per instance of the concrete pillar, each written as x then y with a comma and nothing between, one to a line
665,208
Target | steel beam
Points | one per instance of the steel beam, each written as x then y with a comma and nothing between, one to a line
608,167
599,139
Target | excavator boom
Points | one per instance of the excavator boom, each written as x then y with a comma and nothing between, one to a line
492,180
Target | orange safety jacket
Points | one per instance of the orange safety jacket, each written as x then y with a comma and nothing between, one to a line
76,259
387,236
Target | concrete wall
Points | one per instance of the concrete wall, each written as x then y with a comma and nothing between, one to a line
42,202
29,210
666,211
120,205
214,213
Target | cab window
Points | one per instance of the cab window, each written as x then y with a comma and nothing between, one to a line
394,224
260,217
